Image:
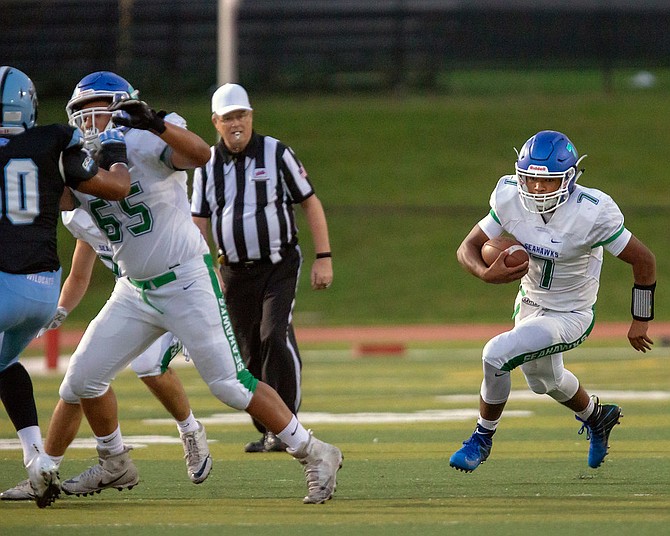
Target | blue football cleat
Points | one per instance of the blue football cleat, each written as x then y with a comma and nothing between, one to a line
474,451
598,427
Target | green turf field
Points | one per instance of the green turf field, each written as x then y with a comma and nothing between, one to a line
395,478
403,178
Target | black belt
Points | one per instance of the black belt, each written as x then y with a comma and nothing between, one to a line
251,263
244,264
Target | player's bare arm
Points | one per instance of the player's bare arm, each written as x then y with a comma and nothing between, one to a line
470,257
79,278
75,285
113,185
67,201
111,181
188,149
643,263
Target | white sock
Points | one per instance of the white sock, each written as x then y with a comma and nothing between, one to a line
294,435
56,459
113,442
31,442
586,413
188,425
489,425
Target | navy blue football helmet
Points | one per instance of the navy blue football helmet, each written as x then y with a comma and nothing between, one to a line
102,85
18,110
548,154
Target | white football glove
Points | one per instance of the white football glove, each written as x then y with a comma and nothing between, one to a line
55,322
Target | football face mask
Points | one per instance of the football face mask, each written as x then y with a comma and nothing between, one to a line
541,203
102,86
546,157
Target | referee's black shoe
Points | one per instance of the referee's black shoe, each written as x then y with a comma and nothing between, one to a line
268,443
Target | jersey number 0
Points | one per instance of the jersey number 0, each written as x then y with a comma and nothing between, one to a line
21,202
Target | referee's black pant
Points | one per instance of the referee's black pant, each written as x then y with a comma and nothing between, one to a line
260,299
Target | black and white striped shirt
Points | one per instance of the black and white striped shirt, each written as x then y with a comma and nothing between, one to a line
249,196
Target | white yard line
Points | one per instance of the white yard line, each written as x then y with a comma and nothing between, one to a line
361,418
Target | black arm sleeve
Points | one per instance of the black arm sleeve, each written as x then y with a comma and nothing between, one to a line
77,166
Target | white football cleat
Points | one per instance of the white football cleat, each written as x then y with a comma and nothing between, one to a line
23,491
196,453
322,461
44,481
113,471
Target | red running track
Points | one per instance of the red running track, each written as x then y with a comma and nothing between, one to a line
407,334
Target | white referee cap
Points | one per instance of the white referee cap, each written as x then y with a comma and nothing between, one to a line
229,98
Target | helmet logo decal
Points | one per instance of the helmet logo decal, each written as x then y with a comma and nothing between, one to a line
535,167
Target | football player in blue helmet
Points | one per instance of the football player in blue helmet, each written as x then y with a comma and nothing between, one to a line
546,171
18,110
103,86
558,289
100,103
40,164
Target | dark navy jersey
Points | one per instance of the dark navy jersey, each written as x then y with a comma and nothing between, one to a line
35,166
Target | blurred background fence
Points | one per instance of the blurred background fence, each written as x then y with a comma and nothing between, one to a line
168,45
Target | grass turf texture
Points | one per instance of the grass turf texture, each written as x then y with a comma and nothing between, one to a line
403,178
396,478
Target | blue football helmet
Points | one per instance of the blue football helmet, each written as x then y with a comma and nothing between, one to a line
548,154
101,85
18,110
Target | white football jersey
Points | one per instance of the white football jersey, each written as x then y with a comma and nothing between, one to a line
82,227
150,231
566,253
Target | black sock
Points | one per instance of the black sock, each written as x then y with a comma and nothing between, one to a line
16,393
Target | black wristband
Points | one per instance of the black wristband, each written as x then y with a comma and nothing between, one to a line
642,302
324,255
112,153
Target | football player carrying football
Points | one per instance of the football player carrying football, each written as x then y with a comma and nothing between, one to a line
564,227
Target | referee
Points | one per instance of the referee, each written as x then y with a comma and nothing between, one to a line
245,195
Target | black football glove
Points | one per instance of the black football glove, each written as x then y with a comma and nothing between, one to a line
138,115
112,149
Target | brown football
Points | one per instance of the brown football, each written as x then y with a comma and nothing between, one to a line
493,247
